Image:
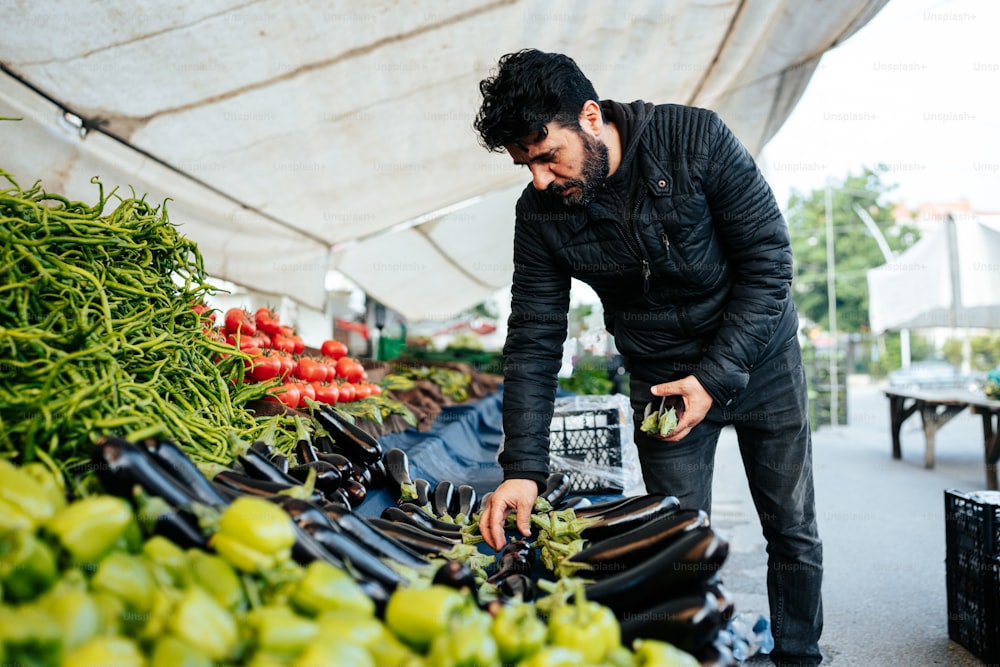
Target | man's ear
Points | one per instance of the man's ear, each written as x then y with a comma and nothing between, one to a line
591,119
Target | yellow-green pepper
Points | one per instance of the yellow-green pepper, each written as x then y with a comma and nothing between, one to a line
76,613
585,626
24,502
656,653
322,653
51,482
104,651
518,631
254,534
168,651
326,587
27,566
169,560
216,576
418,615
466,643
30,635
351,627
128,577
90,527
555,656
278,629
204,624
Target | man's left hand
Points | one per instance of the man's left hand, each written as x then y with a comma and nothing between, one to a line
697,402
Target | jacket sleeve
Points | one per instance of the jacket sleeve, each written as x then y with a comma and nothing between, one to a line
755,239
536,331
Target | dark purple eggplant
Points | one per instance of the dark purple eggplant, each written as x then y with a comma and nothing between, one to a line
595,509
358,443
424,490
355,490
417,539
689,622
360,556
574,503
517,586
257,463
340,497
340,462
468,502
328,478
305,451
456,574
322,443
628,549
397,471
377,541
260,487
443,498
694,557
419,521
306,549
181,528
428,519
123,465
363,475
630,515
377,473
173,459
557,487
279,461
515,558
302,511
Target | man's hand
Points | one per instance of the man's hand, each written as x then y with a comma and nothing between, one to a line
696,400
516,495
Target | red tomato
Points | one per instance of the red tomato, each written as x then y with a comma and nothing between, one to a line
239,320
286,331
298,345
346,392
350,369
282,343
244,343
267,321
306,390
287,393
326,392
362,390
310,370
376,389
333,349
265,367
287,365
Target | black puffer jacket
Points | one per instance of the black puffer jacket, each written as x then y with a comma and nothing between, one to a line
696,279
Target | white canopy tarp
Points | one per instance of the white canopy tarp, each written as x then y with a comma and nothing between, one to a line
949,278
297,137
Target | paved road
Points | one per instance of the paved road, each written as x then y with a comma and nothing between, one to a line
882,524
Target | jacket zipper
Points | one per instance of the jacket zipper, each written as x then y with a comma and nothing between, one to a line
635,245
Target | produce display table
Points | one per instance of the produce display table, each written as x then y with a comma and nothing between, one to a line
936,408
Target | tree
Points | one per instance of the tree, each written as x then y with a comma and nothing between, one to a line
855,250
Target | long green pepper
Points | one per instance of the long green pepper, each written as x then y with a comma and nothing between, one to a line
97,333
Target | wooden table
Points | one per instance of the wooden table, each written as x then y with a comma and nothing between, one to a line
936,408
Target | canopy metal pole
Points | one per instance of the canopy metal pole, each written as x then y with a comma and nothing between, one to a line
831,295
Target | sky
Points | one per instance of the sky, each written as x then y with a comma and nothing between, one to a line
916,89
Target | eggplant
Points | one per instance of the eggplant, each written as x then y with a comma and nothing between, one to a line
355,491
420,521
377,474
468,501
397,471
694,557
689,622
123,465
630,515
328,478
443,498
340,462
322,443
596,509
358,443
306,549
260,487
423,489
358,555
416,539
279,461
630,548
429,519
363,475
458,575
384,545
256,462
557,487
516,557
181,528
517,586
173,459
305,451
302,511
575,503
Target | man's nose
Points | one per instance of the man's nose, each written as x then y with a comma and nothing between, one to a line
541,176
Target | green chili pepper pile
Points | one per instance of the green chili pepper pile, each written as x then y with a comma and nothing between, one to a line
98,334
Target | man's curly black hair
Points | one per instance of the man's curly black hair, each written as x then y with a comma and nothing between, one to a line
530,89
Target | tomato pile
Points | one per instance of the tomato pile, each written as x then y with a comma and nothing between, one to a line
278,356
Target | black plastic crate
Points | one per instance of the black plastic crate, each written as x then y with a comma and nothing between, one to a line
973,571
586,446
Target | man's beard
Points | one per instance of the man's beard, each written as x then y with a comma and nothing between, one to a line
595,170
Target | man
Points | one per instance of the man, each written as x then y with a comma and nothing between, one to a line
665,214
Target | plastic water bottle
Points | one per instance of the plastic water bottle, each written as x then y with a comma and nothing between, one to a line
751,635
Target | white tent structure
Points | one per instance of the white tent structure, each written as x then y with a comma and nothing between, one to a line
296,138
949,278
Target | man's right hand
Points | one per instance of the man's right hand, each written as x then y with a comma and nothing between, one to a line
513,495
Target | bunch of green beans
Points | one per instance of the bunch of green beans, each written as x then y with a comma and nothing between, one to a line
98,335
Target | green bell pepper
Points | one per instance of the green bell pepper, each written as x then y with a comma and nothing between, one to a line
585,626
321,653
418,615
518,631
279,630
656,653
92,526
51,482
204,624
168,560
466,643
168,651
128,577
555,656
326,587
214,575
254,534
76,614
27,566
104,651
24,502
348,626
30,635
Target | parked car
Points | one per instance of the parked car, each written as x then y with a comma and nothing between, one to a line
934,374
